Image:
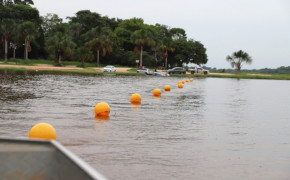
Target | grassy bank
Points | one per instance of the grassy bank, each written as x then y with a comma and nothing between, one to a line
252,76
131,72
81,72
34,62
239,76
49,62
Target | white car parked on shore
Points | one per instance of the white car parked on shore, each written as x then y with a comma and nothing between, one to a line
198,70
109,69
146,71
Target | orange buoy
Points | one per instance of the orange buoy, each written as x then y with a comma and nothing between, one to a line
191,79
136,98
42,131
102,109
180,85
186,80
167,88
157,92
182,81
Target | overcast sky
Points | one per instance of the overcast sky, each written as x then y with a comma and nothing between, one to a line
259,27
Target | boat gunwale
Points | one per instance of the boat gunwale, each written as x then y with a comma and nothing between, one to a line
63,150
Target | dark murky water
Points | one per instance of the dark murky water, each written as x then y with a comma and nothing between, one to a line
210,129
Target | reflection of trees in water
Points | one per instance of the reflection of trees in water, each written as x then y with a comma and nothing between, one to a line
8,76
13,78
8,94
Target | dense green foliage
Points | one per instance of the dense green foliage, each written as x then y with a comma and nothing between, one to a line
20,11
107,40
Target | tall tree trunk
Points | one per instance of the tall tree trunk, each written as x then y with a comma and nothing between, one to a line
56,56
83,63
26,51
14,51
98,57
166,59
239,66
59,59
155,57
141,52
6,50
166,62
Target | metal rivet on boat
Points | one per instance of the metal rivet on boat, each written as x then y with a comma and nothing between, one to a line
42,131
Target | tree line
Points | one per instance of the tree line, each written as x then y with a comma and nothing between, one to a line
88,36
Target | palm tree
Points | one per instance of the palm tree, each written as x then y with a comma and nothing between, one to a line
100,38
142,37
238,58
61,44
161,36
157,46
28,32
7,28
75,29
84,54
167,46
16,42
156,49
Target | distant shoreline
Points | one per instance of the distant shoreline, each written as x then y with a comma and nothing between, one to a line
126,71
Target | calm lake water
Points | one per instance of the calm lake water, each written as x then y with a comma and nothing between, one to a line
210,129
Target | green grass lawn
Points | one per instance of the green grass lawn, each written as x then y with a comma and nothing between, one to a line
239,76
133,70
33,62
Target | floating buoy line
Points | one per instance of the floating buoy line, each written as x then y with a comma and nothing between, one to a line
102,112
